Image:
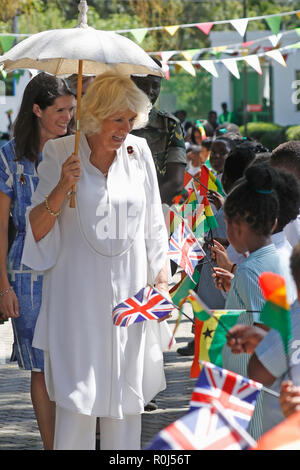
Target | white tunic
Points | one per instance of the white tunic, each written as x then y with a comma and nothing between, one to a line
96,256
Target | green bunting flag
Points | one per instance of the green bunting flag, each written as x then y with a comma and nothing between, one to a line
274,23
6,43
139,34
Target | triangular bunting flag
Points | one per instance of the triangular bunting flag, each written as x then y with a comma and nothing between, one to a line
240,25
231,65
253,61
139,34
205,27
166,55
274,23
219,49
274,39
209,66
172,29
166,70
187,66
6,43
276,55
189,53
247,43
295,46
297,31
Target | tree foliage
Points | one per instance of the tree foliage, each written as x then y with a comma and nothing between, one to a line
10,8
192,93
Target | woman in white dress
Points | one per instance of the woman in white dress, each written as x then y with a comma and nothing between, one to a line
93,257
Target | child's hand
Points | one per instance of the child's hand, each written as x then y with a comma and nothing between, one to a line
222,279
289,398
244,338
215,198
219,254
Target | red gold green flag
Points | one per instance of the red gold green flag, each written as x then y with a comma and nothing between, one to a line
211,327
276,311
210,181
181,290
210,338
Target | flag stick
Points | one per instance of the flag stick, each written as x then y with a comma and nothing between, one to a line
198,181
172,303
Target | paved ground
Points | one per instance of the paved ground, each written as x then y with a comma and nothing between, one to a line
18,428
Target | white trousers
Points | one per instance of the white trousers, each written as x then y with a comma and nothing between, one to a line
74,431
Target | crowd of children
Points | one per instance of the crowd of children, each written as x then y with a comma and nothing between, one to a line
258,231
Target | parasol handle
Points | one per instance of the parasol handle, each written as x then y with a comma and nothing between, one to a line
77,135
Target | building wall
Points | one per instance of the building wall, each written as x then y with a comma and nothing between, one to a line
284,78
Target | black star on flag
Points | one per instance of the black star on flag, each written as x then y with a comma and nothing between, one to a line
208,333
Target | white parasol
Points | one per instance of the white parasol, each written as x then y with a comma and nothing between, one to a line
82,50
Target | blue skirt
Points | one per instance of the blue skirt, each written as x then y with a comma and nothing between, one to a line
28,289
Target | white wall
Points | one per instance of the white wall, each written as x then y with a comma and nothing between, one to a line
12,102
284,110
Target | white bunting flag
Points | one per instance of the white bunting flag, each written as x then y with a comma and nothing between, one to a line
276,55
172,29
209,66
231,65
274,39
187,66
166,55
240,25
254,62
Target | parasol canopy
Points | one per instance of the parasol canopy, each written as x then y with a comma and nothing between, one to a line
58,51
82,50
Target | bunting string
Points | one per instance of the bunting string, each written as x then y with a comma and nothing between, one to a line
217,22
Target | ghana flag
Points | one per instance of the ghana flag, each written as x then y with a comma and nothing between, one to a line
181,290
210,337
210,181
211,327
276,311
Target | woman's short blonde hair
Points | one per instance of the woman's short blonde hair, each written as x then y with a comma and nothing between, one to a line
110,93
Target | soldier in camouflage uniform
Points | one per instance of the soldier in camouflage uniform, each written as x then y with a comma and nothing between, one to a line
165,139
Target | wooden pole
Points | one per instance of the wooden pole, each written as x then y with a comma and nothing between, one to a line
77,135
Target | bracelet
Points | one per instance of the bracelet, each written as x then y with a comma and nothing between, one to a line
232,268
54,214
3,292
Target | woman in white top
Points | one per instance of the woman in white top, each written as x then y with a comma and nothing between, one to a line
94,257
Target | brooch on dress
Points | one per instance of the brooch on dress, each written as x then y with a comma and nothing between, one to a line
22,179
130,151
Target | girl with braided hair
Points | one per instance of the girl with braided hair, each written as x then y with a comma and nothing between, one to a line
251,212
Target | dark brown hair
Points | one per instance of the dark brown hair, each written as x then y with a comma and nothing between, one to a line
43,89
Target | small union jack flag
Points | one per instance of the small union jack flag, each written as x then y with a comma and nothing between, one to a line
207,428
236,393
184,249
147,304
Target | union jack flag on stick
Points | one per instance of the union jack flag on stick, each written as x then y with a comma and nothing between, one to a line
236,393
210,428
184,249
147,304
